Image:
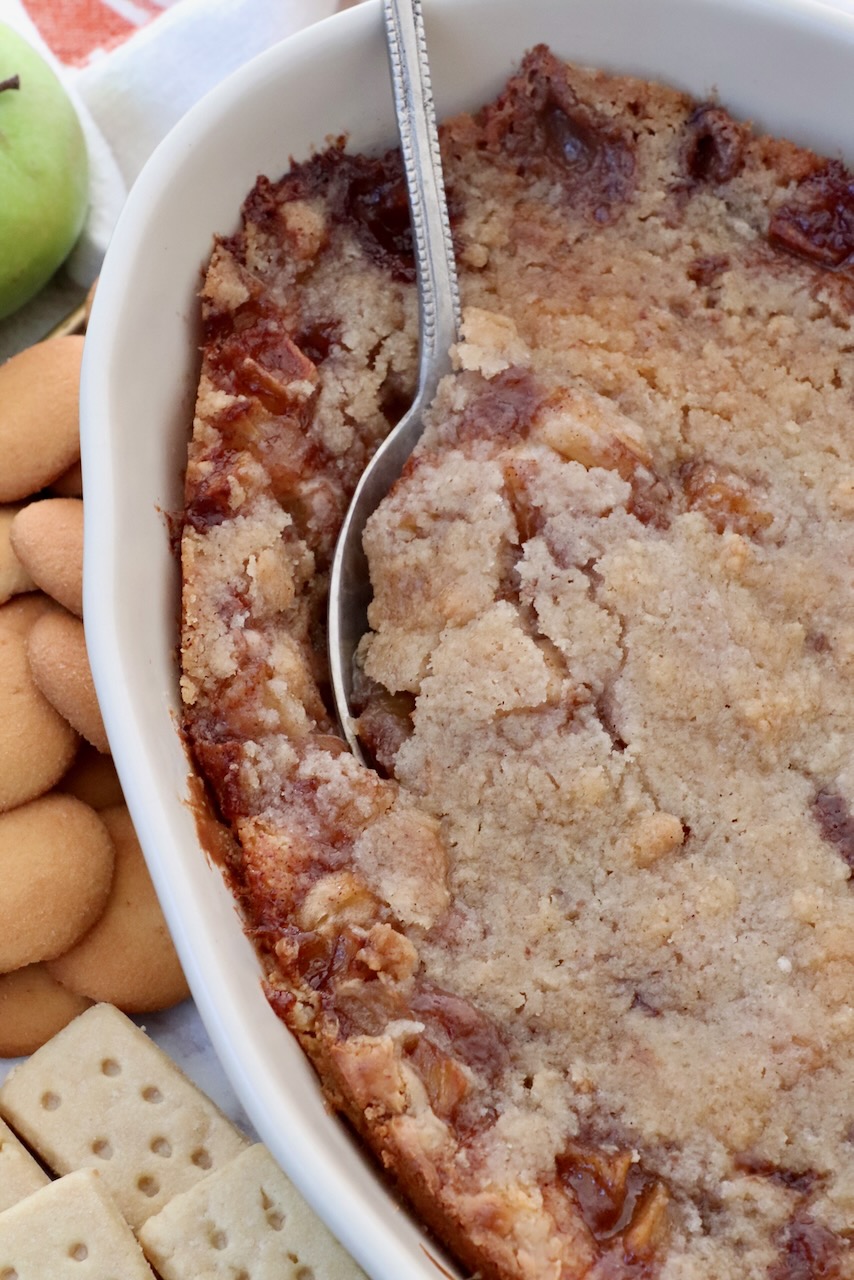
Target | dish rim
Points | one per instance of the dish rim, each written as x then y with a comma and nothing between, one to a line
328,1170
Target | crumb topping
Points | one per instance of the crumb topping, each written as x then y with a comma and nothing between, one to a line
576,960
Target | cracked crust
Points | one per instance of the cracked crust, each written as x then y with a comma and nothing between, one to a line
578,965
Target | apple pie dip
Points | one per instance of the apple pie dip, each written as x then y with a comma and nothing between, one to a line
576,958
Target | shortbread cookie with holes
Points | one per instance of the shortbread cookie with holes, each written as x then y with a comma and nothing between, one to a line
576,958
101,1095
246,1219
20,1174
70,1229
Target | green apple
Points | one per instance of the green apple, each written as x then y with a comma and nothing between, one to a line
44,177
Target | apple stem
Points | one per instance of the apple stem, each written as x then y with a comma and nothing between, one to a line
13,82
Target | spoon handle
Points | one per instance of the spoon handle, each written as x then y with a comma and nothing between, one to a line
438,290
439,311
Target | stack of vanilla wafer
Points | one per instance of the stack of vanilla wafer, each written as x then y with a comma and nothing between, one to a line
113,1165
79,918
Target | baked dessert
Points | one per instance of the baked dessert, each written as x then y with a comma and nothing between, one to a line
576,960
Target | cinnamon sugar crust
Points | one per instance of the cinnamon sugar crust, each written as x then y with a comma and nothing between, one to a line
576,960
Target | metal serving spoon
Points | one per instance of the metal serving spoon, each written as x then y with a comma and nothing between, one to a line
439,318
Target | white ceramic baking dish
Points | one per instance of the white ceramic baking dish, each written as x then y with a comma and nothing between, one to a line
787,64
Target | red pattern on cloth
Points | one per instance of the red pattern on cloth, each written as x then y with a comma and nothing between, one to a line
75,29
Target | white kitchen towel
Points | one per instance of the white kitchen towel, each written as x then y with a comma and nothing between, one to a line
141,89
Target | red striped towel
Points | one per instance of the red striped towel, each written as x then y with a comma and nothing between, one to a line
80,30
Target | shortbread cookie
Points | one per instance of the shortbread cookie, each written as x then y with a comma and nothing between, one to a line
70,1229
102,1095
39,425
20,1174
47,538
57,859
37,743
14,578
245,1219
92,778
56,648
33,1007
127,958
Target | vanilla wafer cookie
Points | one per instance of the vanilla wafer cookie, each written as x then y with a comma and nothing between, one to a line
92,778
102,1095
40,424
127,958
19,614
59,664
14,578
37,743
57,860
70,1229
70,483
33,1007
47,539
247,1219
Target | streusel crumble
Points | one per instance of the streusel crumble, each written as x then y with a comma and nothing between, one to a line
577,959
